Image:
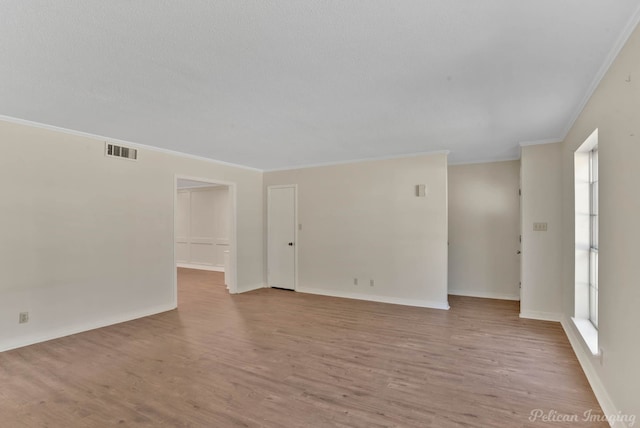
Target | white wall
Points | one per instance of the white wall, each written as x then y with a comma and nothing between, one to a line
362,220
541,178
202,227
88,240
484,224
614,109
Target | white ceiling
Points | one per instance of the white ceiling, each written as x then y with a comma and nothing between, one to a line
274,84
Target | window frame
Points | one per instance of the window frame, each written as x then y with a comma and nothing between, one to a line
593,235
586,186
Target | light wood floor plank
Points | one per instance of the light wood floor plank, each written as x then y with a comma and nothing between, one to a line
275,358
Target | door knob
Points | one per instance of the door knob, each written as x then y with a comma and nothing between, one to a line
291,244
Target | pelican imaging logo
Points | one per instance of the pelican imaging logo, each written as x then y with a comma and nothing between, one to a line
539,415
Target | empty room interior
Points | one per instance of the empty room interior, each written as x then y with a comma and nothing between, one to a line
319,213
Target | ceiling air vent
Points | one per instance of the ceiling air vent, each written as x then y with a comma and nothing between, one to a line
116,151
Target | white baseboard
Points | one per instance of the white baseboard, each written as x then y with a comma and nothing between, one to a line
200,267
541,316
68,331
249,287
484,294
374,298
586,358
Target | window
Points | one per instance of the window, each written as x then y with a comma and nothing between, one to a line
586,241
593,236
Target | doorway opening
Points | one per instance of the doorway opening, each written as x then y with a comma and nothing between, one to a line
205,228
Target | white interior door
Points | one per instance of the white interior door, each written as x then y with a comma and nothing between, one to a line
281,252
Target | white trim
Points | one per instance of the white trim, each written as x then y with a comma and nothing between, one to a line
200,267
374,298
613,54
251,287
368,159
174,236
68,331
234,165
588,333
586,361
540,142
541,316
487,160
484,294
202,158
124,142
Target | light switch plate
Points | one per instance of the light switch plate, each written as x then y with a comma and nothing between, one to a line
539,227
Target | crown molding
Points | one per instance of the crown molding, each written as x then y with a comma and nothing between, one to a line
613,54
539,142
369,159
485,160
123,142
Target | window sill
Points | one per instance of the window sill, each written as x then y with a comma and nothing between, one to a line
589,334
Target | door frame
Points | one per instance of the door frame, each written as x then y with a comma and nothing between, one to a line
519,251
232,278
295,230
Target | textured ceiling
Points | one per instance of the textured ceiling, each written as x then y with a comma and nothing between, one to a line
272,84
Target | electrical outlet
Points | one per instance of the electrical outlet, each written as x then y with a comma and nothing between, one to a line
23,318
355,281
371,282
539,227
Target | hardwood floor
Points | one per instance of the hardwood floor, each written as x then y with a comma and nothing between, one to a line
282,359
